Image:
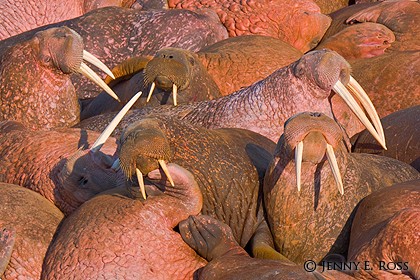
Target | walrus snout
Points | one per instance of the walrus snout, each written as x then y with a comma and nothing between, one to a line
163,82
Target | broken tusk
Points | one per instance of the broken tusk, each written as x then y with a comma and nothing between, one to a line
334,167
351,102
90,74
362,96
141,183
113,124
152,88
166,171
298,162
95,61
175,93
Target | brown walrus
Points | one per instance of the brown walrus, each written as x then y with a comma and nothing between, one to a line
308,216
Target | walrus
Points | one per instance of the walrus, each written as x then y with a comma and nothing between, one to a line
264,106
214,241
117,236
30,222
174,76
314,183
385,232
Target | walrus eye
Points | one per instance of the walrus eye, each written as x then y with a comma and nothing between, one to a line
191,60
83,182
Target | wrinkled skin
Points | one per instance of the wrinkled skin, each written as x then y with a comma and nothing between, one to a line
363,40
386,229
238,62
50,163
114,34
227,163
33,221
402,132
264,106
401,17
314,222
35,85
214,241
329,6
18,17
389,79
113,236
169,66
279,19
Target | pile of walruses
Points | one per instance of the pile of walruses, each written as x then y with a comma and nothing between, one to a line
272,139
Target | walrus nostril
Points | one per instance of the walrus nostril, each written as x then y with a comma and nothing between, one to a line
315,114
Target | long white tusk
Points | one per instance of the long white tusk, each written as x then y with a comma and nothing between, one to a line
113,124
87,72
360,93
298,162
95,61
141,183
152,88
175,93
351,102
334,168
166,171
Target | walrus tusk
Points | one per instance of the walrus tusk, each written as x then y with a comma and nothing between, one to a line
166,171
175,93
152,88
334,168
331,159
113,124
95,61
298,162
141,183
360,93
351,102
88,73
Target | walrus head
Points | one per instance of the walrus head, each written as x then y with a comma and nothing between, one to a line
170,69
313,136
144,147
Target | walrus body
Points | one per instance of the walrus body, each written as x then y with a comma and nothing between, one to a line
32,220
385,232
113,236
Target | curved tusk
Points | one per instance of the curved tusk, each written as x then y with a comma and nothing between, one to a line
141,183
113,124
362,96
166,171
334,167
175,93
351,102
95,61
152,88
298,162
88,73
